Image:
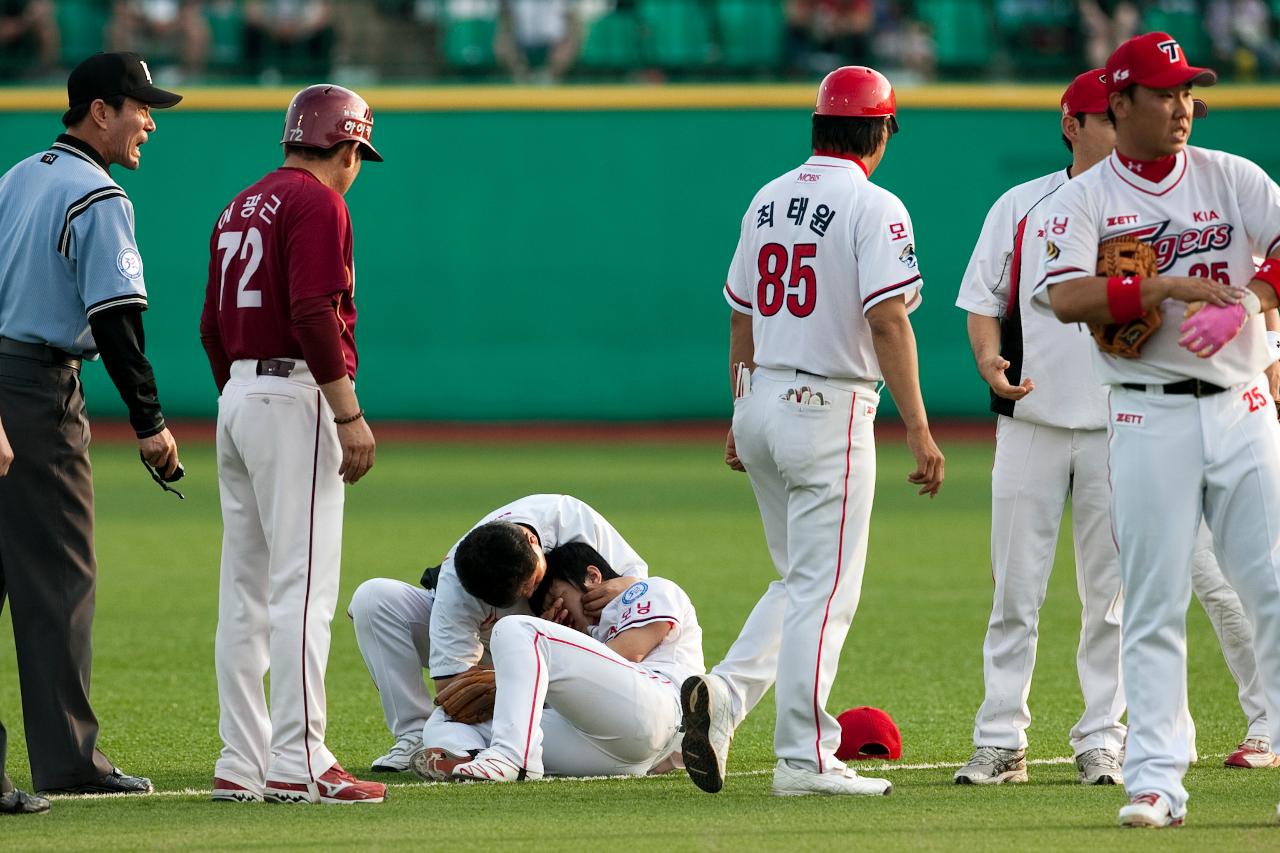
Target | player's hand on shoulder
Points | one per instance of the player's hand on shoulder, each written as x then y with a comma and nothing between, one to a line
358,448
993,371
930,463
1196,289
595,600
731,453
160,451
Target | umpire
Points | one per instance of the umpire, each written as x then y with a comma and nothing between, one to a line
71,288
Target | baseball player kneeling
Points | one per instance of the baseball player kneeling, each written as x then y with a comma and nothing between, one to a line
603,704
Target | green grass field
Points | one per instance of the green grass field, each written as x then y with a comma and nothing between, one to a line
915,650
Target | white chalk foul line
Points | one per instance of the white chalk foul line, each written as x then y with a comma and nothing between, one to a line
202,793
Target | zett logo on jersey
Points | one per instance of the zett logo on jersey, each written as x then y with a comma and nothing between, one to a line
1169,248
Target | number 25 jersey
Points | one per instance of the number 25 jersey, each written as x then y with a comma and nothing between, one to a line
285,239
819,246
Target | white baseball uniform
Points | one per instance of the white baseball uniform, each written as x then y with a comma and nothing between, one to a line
1049,445
1177,457
569,705
402,629
819,246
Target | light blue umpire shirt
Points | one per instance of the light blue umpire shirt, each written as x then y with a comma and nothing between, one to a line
71,251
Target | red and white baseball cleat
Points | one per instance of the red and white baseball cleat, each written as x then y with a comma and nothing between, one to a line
488,766
229,792
335,787
435,764
1150,811
1254,754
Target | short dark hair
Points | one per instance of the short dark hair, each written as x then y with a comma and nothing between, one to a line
76,114
308,152
1126,93
851,135
569,563
494,561
1067,142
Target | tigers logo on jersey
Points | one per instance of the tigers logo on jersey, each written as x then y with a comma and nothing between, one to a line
908,256
1051,250
1169,248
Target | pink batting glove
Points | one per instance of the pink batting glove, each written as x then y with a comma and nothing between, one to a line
1211,328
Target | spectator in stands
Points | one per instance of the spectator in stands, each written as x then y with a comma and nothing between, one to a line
825,34
400,38
288,37
28,38
538,40
163,30
1106,24
1241,32
903,41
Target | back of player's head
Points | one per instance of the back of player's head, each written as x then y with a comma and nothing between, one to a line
858,136
495,561
569,563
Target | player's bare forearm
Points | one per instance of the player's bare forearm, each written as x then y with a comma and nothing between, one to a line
984,338
742,347
354,436
1084,299
1267,298
635,644
895,346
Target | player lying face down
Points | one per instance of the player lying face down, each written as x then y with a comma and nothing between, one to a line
601,704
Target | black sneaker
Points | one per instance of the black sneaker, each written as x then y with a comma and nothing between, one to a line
115,782
20,802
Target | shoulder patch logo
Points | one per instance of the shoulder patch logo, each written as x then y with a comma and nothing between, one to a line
634,592
48,157
908,256
129,262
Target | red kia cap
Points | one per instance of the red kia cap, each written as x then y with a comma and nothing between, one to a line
868,733
1086,94
1155,60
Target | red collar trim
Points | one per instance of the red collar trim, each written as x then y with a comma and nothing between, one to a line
817,152
1154,171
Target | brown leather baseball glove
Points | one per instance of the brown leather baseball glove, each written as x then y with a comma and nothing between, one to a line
1123,256
468,698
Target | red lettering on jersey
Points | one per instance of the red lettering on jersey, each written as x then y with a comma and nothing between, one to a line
809,178
1040,233
1169,248
1059,225
1128,418
1205,216
643,608
897,231
1127,219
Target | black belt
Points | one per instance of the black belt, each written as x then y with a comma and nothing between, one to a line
275,367
38,352
1194,387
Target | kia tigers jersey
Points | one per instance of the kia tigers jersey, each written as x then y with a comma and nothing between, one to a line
645,602
818,247
998,283
1208,217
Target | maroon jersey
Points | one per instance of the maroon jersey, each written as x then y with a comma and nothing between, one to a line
282,242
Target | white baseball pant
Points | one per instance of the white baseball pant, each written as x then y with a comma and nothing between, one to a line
1036,468
603,715
1231,625
393,629
282,499
1176,459
812,467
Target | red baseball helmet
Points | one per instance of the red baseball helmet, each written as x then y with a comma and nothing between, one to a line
324,115
856,91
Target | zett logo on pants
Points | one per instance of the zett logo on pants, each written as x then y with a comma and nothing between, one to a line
1128,419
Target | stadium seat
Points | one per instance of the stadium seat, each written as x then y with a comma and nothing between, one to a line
468,43
612,43
751,33
82,25
677,33
1040,37
962,33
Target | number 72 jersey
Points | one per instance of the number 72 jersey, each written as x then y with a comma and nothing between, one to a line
820,246
285,239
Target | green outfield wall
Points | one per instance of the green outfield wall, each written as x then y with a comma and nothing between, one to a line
532,257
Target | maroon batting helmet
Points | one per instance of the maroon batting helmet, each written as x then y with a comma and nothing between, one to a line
856,91
324,115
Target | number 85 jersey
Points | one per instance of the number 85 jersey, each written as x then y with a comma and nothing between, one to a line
285,239
820,246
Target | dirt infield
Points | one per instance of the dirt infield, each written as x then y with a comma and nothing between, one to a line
551,432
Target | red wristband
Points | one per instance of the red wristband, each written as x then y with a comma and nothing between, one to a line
1124,297
1270,273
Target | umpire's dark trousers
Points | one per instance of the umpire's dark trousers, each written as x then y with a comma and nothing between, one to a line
47,567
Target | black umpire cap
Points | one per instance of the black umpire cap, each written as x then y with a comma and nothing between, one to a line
106,75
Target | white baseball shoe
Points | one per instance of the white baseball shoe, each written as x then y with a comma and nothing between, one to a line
1099,767
1150,811
708,729
789,782
993,765
435,764
489,766
1254,754
398,758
